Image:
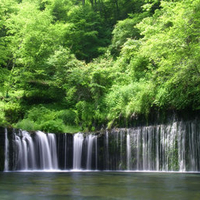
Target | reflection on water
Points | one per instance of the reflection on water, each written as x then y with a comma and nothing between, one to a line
99,185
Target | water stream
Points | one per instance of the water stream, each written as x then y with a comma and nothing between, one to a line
172,147
6,150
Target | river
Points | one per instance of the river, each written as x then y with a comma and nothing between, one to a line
96,185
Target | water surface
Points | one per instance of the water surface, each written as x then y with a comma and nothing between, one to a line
99,185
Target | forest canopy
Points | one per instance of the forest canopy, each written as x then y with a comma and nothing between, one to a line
83,65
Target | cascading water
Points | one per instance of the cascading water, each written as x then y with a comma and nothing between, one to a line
172,147
44,151
6,150
53,150
33,152
107,151
90,141
128,147
25,155
47,155
96,155
77,151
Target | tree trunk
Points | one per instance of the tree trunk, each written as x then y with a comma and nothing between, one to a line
92,3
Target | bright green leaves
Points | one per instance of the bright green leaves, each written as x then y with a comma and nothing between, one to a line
125,30
160,69
31,34
6,8
55,58
171,43
59,66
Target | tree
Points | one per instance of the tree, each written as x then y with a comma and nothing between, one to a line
171,42
86,37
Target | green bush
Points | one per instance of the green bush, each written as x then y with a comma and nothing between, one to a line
41,113
53,126
72,129
27,124
85,113
13,112
68,116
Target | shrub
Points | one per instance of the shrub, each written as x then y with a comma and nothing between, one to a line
13,112
41,113
27,124
68,117
53,126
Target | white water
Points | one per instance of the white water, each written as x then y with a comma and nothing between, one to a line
96,154
107,151
37,153
165,148
53,150
77,150
6,150
31,161
90,141
172,147
128,147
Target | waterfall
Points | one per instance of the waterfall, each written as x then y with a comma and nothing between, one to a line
96,155
138,147
181,147
45,158
47,150
128,147
121,149
157,148
53,150
107,151
90,139
77,150
171,147
30,151
6,163
65,151
35,152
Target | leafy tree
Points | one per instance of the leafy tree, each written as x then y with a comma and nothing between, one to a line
171,42
90,62
86,37
125,30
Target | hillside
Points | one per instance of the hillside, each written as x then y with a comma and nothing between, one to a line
72,65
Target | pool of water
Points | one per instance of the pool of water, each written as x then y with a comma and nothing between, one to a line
99,185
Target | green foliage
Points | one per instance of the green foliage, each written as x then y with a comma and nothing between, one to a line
29,33
86,35
4,74
130,99
53,126
71,65
40,113
3,121
27,124
13,112
85,112
49,120
6,8
124,30
59,65
170,42
68,117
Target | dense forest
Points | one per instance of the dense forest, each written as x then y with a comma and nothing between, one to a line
80,65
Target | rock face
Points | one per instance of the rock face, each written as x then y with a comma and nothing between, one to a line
2,143
173,145
167,147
